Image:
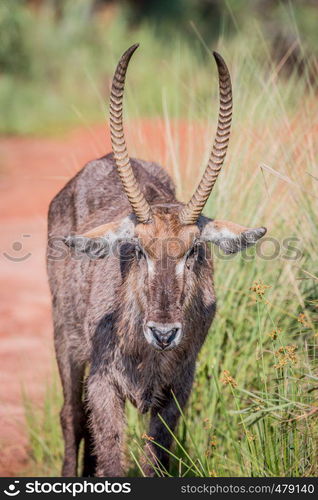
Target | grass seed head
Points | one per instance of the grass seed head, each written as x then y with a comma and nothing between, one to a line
227,379
148,438
259,289
302,319
276,332
286,356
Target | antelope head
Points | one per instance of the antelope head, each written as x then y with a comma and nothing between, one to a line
168,242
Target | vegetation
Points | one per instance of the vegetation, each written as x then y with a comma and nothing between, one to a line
57,60
253,410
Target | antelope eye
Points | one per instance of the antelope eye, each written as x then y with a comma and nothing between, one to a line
192,252
140,254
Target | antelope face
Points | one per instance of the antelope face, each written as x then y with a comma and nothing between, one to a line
164,254
169,241
169,263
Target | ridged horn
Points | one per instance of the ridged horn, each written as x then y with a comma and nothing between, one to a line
136,198
190,213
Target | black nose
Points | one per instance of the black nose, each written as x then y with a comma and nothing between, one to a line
164,334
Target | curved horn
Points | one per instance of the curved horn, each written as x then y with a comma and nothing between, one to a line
137,200
193,209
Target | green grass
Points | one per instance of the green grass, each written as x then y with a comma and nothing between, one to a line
44,432
259,418
55,73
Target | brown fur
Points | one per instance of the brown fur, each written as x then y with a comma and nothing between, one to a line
101,230
104,308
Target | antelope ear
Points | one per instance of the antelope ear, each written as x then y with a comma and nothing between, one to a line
230,237
99,242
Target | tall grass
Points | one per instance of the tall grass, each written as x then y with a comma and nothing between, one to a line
56,74
253,409
55,70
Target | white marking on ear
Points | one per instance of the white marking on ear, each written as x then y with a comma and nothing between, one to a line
230,237
151,266
180,266
98,242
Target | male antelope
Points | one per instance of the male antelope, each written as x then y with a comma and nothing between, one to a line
137,307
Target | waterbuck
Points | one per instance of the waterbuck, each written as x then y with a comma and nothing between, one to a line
131,278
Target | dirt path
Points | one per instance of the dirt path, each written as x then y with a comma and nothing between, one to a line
31,173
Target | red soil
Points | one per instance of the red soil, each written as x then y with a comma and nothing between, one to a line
32,171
